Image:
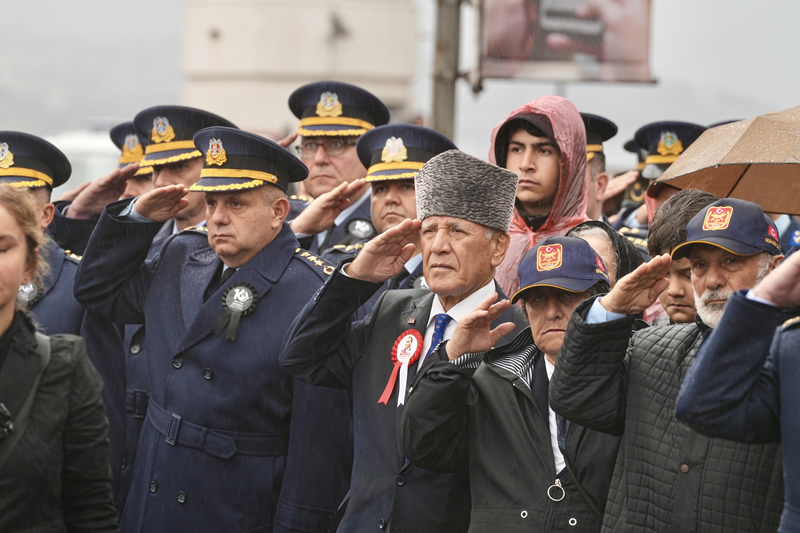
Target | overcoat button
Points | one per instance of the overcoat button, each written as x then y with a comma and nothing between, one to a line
135,349
177,362
684,468
382,524
153,487
400,481
181,497
208,374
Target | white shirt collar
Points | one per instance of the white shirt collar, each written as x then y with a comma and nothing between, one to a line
413,263
464,306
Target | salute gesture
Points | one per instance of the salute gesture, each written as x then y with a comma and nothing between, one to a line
323,210
384,256
638,290
163,203
474,331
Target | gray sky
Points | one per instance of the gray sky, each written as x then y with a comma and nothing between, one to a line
97,62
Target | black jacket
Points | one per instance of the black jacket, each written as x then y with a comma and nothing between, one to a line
668,477
491,422
57,477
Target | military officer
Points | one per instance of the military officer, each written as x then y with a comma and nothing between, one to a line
216,304
598,130
333,115
392,155
34,164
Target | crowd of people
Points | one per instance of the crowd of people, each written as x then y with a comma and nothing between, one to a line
384,333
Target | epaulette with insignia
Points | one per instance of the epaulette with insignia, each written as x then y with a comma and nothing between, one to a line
197,229
354,247
314,260
301,198
74,256
788,323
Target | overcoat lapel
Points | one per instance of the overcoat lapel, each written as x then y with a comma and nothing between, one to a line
55,259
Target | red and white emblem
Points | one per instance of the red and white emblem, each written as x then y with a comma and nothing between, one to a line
773,233
405,352
717,218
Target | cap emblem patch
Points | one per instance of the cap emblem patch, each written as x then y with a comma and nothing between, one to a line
394,150
669,144
548,257
329,105
132,148
216,153
6,157
162,130
600,264
717,218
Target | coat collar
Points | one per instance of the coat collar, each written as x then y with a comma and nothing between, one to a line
54,255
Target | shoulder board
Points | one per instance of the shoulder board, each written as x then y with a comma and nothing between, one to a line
73,256
314,260
354,247
196,229
339,247
791,322
300,197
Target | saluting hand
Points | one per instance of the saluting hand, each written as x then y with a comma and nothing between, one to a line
163,203
385,255
323,210
473,332
91,200
620,183
781,287
638,290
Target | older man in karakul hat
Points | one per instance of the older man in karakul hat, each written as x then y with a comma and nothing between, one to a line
464,207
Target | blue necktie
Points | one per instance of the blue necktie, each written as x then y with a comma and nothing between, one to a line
561,432
440,324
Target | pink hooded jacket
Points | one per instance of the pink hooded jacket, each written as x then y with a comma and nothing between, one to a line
569,204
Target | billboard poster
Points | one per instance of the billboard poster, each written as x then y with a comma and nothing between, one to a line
566,40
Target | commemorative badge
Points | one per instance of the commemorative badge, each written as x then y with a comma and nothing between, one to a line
405,352
132,150
669,144
394,151
717,218
29,294
329,105
361,228
6,157
216,154
548,257
237,301
162,131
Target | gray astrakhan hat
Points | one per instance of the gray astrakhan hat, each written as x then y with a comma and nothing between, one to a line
455,184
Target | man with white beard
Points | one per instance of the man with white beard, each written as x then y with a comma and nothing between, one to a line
610,377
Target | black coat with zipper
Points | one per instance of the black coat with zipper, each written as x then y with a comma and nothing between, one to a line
490,421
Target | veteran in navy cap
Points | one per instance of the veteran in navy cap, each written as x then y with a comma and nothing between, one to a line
598,130
32,163
333,115
216,306
127,139
465,207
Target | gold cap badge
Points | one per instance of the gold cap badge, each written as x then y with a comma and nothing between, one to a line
669,144
132,148
394,150
162,131
329,105
216,153
6,157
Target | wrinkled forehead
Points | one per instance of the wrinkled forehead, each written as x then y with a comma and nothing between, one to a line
441,221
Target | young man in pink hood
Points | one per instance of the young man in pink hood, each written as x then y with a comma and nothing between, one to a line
544,143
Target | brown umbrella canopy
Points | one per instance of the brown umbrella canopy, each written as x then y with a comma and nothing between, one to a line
756,159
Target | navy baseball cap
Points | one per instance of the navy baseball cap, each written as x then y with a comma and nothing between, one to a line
398,151
237,160
338,109
566,263
30,161
170,129
737,226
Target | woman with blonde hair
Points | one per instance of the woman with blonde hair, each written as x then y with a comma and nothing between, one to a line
54,456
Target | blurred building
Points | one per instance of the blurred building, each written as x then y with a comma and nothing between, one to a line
243,58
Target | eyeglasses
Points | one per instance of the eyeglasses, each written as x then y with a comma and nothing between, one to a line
332,147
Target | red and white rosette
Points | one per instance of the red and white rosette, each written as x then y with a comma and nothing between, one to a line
405,352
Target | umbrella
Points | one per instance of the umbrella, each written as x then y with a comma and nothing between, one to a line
756,159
